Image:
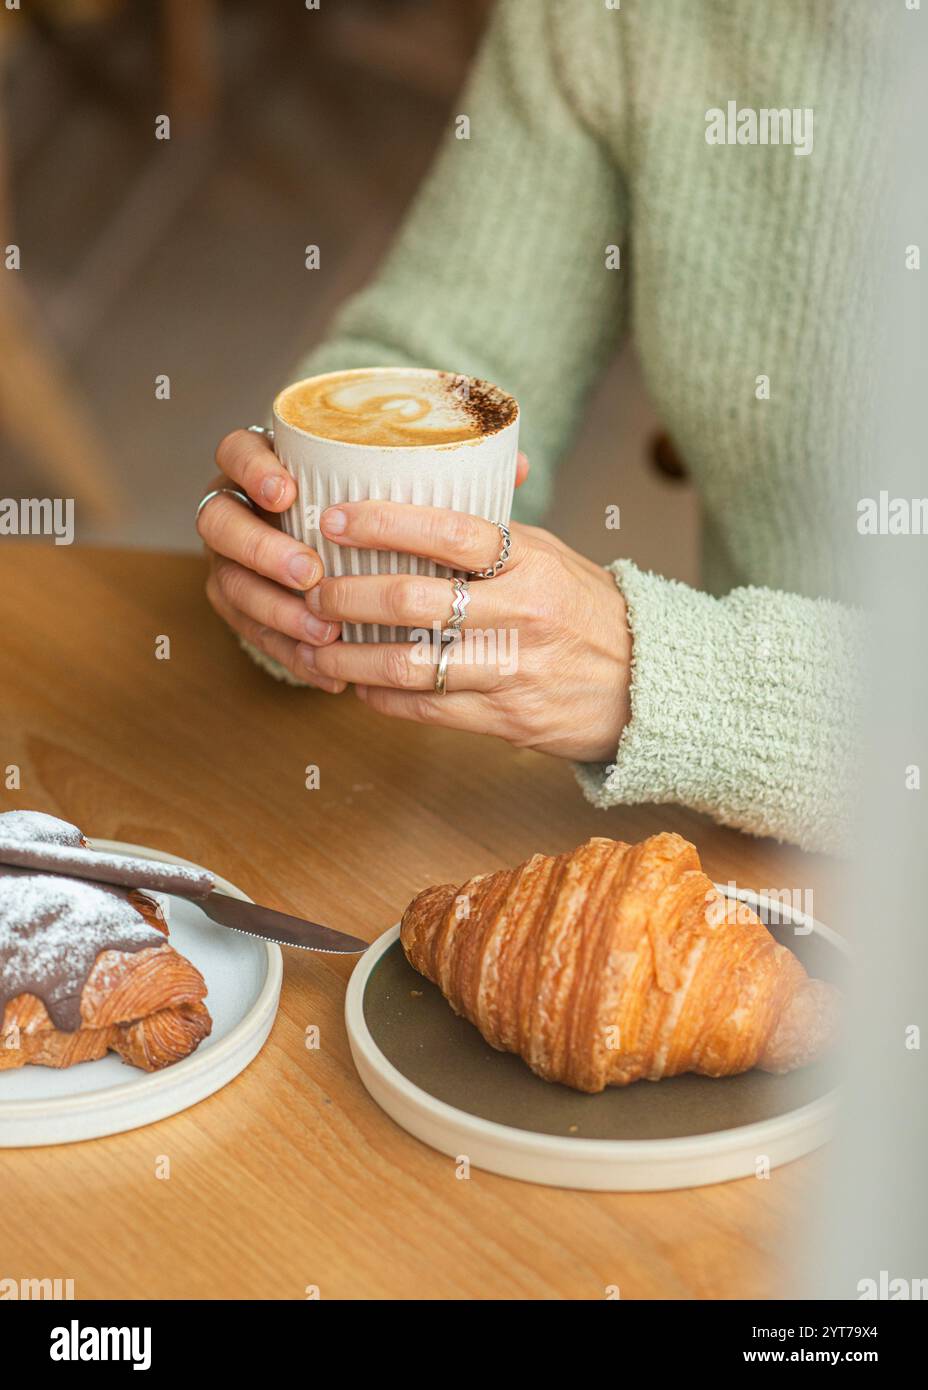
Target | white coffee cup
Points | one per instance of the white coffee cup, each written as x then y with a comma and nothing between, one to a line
476,475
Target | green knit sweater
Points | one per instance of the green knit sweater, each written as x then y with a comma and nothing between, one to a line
739,270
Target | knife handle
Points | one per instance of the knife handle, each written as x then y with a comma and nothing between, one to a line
125,870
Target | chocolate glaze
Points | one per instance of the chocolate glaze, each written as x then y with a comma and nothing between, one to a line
52,929
128,870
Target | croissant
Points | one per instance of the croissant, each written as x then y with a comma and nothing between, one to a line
87,969
618,962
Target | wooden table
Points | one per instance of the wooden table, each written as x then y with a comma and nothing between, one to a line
291,1176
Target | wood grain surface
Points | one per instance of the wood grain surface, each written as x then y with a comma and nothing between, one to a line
291,1177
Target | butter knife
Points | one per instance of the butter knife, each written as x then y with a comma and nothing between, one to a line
182,880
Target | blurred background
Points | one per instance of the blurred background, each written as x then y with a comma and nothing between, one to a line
141,256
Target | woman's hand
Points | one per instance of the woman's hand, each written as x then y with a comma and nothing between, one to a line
547,662
254,567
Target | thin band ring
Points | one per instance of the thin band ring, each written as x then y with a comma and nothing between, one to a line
503,555
218,491
448,641
458,604
261,429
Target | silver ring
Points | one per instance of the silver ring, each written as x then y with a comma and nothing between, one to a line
260,429
441,675
458,604
218,491
503,555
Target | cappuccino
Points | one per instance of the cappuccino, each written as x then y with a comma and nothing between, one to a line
396,409
424,438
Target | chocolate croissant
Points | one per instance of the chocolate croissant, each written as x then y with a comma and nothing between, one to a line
86,969
618,962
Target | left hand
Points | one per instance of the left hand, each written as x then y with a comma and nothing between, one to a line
552,669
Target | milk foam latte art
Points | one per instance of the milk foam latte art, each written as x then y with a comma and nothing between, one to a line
391,409
403,434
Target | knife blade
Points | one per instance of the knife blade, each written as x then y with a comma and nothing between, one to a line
183,881
270,925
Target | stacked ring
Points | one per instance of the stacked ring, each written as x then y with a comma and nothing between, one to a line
452,631
232,492
502,558
448,641
458,605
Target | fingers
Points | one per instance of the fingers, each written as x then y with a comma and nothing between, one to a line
399,600
273,644
230,528
467,710
248,459
522,468
452,538
399,665
268,604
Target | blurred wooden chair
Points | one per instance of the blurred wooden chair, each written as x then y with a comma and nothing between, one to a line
419,43
42,410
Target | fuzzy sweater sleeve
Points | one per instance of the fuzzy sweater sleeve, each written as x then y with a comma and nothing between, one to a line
746,707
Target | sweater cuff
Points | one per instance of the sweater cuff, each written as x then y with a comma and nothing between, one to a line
268,664
743,707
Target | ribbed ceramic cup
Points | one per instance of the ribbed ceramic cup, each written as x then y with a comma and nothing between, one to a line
475,475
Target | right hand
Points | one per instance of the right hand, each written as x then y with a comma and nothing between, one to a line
255,567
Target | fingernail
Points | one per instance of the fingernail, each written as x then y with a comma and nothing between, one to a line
303,571
316,630
314,601
307,655
272,489
334,522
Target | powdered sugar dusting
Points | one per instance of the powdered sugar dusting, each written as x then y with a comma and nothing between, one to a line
39,828
51,931
130,870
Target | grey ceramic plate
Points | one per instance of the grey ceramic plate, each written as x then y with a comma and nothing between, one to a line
434,1073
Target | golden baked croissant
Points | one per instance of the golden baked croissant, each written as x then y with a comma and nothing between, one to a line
87,968
618,962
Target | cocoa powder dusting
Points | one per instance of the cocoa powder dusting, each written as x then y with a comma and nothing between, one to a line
489,408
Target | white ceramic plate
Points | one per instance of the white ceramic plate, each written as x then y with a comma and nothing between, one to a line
42,1105
701,1136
